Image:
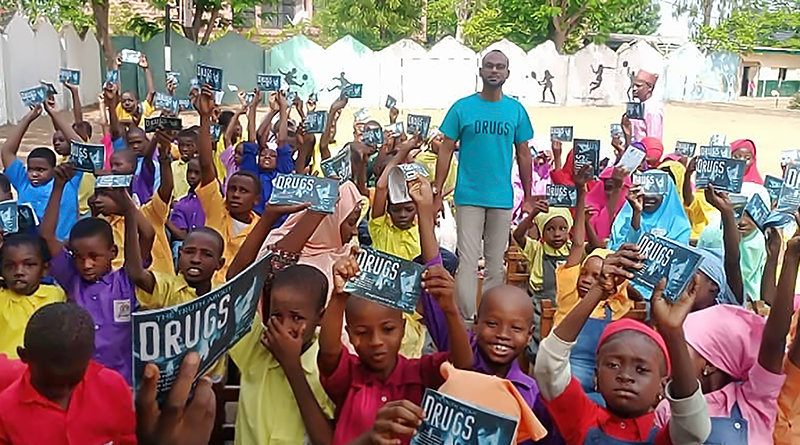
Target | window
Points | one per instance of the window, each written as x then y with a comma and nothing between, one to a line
781,74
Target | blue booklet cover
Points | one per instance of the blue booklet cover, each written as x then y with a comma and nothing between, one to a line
685,148
586,151
66,75
209,325
789,199
725,174
338,166
563,134
653,182
87,157
9,217
451,421
666,258
322,193
559,195
418,123
209,75
387,279
773,186
758,211
716,151
268,82
34,96
315,122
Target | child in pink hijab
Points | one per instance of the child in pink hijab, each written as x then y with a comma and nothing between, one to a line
745,149
654,149
540,177
603,191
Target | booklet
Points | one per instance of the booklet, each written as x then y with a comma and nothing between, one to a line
87,157
773,186
653,182
152,124
268,82
338,166
453,421
563,134
9,217
112,76
362,115
789,199
51,89
559,195
113,181
586,151
718,139
387,279
216,132
352,90
292,188
631,159
315,122
34,96
666,258
418,123
390,102
685,148
373,136
173,76
130,56
716,151
790,157
739,202
210,75
399,177
397,129
27,217
634,110
758,210
209,325
725,174
67,75
616,130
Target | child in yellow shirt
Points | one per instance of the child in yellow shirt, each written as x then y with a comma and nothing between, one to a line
25,260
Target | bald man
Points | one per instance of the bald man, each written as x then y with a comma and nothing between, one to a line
653,124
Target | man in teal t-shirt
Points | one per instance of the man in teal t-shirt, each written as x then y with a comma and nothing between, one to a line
489,126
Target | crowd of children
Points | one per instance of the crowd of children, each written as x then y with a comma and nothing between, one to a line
585,355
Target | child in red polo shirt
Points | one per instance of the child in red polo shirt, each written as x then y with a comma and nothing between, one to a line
360,384
633,367
63,397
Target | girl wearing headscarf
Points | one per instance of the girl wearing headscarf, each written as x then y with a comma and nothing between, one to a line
654,149
739,361
753,252
605,199
745,149
548,251
659,215
711,283
562,174
540,178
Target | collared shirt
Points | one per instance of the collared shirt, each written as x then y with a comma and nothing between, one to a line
147,110
388,238
38,196
16,310
110,301
265,386
180,186
359,393
85,189
787,423
100,411
219,219
187,212
155,212
169,290
653,123
10,370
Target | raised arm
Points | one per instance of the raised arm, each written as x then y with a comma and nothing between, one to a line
59,123
228,136
669,318
382,185
205,106
283,123
111,99
330,127
688,193
330,334
252,134
731,238
579,228
11,146
47,229
134,267
768,288
618,179
77,111
148,75
297,238
163,140
520,233
773,341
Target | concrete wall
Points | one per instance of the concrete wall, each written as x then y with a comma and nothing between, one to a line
30,54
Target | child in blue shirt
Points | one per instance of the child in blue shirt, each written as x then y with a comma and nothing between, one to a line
34,183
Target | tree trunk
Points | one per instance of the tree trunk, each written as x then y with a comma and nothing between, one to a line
708,8
100,12
210,27
424,21
559,38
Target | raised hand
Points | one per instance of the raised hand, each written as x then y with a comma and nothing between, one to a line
344,269
205,102
111,95
143,62
540,206
438,282
719,200
793,245
617,267
34,112
287,209
176,422
667,316
62,174
420,191
636,198
582,176
773,242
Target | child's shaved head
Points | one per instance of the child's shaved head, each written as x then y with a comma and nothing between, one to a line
503,327
507,296
59,333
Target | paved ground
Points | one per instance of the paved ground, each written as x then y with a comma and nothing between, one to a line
773,130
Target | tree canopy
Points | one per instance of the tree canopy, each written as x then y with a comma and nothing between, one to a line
750,27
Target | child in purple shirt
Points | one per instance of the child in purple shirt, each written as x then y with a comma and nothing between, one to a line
187,212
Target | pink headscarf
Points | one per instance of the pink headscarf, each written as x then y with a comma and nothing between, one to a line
752,174
325,245
596,199
726,336
654,147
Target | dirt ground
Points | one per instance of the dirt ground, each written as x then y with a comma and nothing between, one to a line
773,130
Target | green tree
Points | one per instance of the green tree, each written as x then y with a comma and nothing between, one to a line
375,23
442,19
641,19
748,28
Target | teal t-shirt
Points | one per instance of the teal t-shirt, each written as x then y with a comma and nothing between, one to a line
488,132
